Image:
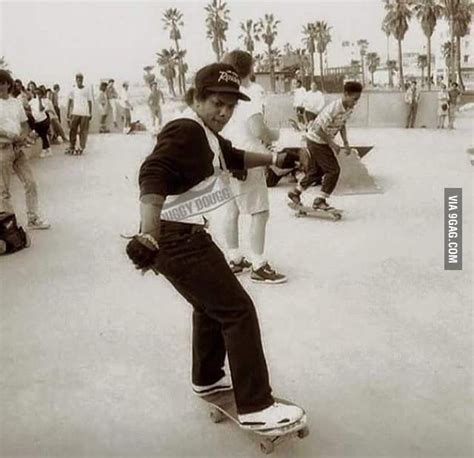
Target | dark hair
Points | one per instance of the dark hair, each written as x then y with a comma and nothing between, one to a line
454,84
103,86
353,87
240,60
111,80
299,81
192,93
5,77
31,83
56,86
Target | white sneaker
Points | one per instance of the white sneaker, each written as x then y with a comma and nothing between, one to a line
45,153
274,417
224,384
38,223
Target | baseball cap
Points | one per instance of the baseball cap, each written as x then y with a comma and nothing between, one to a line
219,77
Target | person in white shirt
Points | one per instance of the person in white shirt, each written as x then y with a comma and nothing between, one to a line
412,98
79,114
313,103
41,121
13,130
248,131
298,100
124,101
322,148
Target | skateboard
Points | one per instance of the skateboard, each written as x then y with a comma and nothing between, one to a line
223,406
133,127
302,210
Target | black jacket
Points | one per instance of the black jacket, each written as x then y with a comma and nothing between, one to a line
182,158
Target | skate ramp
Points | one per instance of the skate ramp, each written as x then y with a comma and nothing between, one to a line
354,178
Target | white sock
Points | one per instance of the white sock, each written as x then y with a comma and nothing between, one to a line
258,261
235,255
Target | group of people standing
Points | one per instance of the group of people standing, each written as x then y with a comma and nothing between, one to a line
448,101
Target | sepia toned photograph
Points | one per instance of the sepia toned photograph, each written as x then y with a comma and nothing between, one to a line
236,228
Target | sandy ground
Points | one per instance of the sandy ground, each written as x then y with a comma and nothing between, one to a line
370,334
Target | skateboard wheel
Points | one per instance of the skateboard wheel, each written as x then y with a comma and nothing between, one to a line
267,447
216,416
337,216
303,432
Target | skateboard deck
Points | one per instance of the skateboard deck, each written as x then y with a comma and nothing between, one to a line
302,210
223,406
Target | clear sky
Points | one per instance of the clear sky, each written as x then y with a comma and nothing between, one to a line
50,41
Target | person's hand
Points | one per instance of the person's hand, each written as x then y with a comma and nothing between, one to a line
279,159
142,251
347,149
336,148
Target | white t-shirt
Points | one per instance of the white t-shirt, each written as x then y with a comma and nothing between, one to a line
314,101
80,101
12,114
39,115
124,99
237,130
331,120
300,94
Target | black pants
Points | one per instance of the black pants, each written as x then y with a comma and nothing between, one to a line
224,317
310,115
322,163
81,124
58,112
42,129
411,117
300,114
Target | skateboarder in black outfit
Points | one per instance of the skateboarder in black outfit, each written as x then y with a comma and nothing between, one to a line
176,244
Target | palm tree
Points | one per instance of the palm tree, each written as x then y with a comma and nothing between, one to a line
462,21
397,18
428,12
450,9
302,61
258,59
268,27
373,62
310,43
167,61
446,51
249,35
288,49
422,63
323,38
217,23
363,45
3,63
173,19
391,68
386,30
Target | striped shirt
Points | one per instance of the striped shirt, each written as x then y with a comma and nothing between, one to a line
331,120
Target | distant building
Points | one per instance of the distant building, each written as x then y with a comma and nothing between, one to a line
442,35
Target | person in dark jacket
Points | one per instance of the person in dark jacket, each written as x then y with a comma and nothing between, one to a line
184,177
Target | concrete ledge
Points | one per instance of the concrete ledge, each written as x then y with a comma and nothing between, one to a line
375,109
